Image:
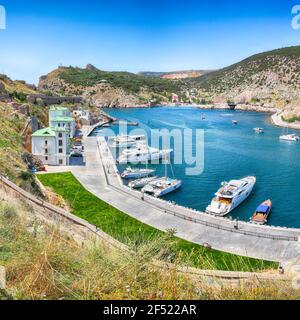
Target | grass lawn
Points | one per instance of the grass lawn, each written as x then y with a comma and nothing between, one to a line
132,232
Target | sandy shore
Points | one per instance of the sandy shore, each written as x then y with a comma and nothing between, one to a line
277,121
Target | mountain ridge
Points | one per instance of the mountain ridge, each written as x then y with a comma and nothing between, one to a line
272,75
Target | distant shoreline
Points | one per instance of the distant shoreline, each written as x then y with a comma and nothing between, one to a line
275,118
277,121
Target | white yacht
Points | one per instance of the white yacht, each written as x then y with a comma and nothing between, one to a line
231,195
142,154
290,137
130,173
259,130
140,183
162,186
126,141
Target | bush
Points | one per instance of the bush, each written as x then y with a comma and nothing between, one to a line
20,96
8,212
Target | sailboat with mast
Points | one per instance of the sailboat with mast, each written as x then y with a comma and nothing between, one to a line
289,137
162,186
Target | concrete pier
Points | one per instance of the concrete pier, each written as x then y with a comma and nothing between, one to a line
100,177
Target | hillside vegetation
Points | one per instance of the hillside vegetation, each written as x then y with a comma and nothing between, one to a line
11,125
132,232
43,263
108,88
17,89
268,77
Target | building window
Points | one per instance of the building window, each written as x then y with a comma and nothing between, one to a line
60,161
60,143
46,151
60,135
60,150
58,124
46,158
46,142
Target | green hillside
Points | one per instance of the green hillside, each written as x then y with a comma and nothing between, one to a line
125,80
270,72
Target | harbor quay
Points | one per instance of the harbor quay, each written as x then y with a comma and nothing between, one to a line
100,176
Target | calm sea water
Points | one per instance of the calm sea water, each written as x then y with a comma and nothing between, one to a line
232,152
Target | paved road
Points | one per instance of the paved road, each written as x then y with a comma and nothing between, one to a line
277,121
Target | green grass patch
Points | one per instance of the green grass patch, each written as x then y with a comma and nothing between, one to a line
291,120
133,232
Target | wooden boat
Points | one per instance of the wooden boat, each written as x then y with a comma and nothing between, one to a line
262,213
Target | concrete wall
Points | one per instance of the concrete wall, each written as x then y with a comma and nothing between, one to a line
44,100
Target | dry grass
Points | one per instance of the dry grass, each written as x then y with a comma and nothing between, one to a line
43,263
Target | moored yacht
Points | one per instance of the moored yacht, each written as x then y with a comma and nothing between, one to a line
125,141
141,154
130,173
140,183
231,195
290,137
162,186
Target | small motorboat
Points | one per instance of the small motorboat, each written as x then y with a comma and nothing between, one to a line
234,122
259,130
162,186
290,137
262,213
130,173
140,183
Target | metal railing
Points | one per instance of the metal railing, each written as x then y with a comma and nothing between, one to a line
163,207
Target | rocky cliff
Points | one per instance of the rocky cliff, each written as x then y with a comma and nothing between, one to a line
111,89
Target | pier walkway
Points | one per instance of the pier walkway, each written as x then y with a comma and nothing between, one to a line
99,176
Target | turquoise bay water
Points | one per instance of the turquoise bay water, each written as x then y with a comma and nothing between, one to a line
231,152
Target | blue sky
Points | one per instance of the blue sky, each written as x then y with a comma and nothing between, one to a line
139,35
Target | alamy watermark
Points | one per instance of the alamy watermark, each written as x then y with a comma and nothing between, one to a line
2,18
296,18
2,278
186,145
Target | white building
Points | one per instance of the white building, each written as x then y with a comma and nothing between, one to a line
60,117
83,115
51,146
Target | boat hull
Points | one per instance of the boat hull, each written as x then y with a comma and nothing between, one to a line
137,175
168,190
140,184
143,158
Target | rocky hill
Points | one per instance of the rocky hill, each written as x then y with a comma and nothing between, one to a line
175,74
17,89
112,89
269,77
